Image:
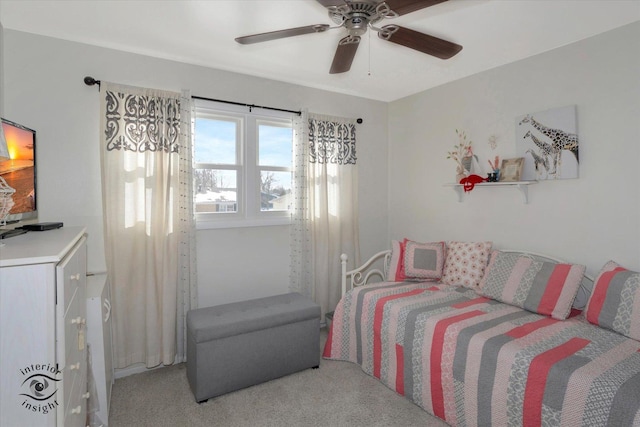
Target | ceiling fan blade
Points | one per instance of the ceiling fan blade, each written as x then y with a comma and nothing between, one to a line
345,53
329,3
402,7
424,43
280,34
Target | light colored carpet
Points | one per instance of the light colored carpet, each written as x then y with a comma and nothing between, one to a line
336,394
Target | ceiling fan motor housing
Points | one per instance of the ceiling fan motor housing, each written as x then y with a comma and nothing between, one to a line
356,16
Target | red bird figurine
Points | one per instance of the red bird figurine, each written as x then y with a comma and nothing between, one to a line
470,181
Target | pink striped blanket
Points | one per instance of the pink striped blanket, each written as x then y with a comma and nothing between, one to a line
473,361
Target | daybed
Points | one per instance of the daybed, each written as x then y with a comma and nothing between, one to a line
481,337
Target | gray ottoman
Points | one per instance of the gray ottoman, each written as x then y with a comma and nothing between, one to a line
238,345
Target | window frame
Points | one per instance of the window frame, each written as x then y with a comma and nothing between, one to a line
248,200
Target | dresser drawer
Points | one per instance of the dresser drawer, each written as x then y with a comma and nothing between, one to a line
74,338
71,309
76,367
69,276
73,351
75,410
75,330
74,386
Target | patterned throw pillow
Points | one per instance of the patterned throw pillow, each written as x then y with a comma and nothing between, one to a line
424,261
546,288
615,301
465,263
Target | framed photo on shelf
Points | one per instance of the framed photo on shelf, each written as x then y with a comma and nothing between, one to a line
511,169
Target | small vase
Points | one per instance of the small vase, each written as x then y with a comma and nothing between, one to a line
459,177
467,162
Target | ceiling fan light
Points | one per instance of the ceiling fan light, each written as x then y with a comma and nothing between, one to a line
356,25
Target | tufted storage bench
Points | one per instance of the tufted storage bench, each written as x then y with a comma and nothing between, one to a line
241,344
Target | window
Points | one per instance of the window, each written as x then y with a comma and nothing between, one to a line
242,166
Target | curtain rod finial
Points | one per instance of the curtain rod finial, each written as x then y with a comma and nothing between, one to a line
90,81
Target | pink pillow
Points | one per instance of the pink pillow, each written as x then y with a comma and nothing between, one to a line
395,270
465,263
424,261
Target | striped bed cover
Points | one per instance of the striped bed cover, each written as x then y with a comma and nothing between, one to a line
473,361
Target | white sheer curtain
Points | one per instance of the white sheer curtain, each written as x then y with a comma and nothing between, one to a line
146,155
325,217
187,276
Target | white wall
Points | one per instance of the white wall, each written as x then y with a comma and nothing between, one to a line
1,67
45,91
587,220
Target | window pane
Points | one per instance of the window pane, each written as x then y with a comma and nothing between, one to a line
275,145
275,191
216,190
215,141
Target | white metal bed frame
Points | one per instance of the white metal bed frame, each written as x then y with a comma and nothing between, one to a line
361,276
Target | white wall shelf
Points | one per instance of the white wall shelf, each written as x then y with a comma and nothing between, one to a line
523,186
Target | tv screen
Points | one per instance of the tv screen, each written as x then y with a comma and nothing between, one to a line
19,171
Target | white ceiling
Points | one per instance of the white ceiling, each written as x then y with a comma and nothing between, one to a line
492,32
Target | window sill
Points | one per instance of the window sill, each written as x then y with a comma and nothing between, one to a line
204,224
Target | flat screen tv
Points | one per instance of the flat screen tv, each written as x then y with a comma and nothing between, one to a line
19,171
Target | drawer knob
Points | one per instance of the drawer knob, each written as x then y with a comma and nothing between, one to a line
74,366
76,410
78,321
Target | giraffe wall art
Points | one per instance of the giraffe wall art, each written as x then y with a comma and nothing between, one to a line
548,141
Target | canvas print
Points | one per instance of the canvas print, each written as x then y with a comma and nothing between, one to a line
548,141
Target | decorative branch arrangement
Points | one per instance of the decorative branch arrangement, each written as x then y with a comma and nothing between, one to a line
461,150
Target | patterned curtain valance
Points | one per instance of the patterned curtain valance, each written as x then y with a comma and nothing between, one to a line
141,122
332,141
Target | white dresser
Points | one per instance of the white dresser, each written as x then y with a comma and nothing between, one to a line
43,351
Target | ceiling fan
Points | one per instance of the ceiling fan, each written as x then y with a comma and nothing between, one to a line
356,16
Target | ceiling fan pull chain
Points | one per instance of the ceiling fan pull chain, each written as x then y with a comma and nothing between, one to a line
369,72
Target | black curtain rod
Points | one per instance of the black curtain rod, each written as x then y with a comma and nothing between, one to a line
90,81
359,120
246,105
